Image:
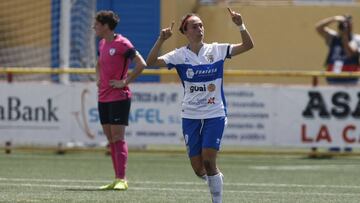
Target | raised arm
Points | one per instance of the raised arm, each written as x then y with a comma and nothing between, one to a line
153,59
323,29
247,42
327,33
351,47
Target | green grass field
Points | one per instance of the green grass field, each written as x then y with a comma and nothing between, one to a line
161,177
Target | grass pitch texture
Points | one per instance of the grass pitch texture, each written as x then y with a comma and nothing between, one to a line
160,177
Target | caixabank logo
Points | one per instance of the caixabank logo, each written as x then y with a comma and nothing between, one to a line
17,113
14,110
341,108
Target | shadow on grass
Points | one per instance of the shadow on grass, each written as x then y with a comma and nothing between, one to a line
88,189
319,156
91,190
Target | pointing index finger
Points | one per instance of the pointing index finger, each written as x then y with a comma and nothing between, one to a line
172,25
230,11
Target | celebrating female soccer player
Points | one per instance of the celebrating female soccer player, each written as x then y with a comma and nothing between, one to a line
200,67
115,54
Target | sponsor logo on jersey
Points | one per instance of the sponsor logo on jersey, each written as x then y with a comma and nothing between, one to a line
199,103
190,73
211,100
112,51
202,102
211,87
194,88
205,72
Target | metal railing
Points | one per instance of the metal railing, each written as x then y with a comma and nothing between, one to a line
10,72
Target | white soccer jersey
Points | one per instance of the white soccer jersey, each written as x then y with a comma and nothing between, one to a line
202,78
356,39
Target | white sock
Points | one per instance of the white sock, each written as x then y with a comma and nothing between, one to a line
215,183
204,177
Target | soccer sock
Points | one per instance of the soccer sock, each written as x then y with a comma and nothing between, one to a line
121,155
204,177
215,183
112,152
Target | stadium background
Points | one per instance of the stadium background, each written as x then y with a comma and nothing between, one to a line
285,39
284,33
33,33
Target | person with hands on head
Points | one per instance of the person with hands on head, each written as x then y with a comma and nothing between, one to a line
344,47
344,52
200,67
114,96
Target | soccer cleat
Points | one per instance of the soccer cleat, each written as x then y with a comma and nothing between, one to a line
120,184
117,184
108,186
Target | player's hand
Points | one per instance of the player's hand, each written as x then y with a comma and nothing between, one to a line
345,30
166,32
117,83
340,18
98,83
236,17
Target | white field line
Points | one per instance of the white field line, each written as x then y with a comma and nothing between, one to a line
181,190
278,185
306,167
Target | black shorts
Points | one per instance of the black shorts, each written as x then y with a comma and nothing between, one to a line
115,113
